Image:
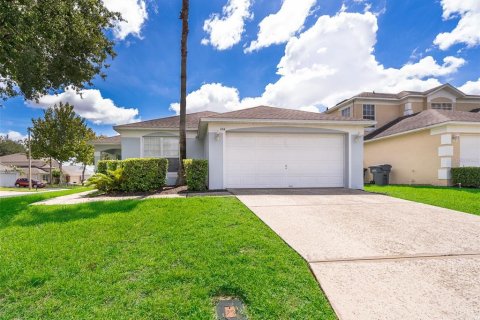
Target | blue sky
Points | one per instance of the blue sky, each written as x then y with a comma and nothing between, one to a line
301,54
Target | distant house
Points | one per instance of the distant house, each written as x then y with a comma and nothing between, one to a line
73,174
421,134
8,176
40,167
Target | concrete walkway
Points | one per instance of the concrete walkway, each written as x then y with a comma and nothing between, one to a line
83,197
378,257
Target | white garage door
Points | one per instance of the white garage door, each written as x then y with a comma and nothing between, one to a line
266,160
470,151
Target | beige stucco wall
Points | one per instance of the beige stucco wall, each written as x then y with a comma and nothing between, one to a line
463,106
414,157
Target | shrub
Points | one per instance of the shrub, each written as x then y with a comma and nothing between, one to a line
107,182
196,173
143,174
467,176
104,165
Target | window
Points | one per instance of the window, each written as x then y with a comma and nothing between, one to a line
442,106
160,147
369,112
346,112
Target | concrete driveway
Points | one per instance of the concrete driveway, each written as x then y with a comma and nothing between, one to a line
378,257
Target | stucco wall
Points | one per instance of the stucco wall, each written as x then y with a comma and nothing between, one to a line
195,148
414,157
464,106
131,147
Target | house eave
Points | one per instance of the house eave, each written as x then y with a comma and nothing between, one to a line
204,122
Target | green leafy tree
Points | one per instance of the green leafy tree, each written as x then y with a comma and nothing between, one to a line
84,152
58,134
8,146
47,45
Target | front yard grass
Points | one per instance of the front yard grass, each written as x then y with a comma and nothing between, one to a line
464,199
148,259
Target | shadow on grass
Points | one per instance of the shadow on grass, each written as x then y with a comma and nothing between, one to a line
21,214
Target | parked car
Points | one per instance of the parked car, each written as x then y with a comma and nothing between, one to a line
23,182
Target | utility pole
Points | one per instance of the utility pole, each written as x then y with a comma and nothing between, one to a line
29,161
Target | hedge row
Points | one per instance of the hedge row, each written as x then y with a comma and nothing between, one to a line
196,173
138,174
104,165
466,176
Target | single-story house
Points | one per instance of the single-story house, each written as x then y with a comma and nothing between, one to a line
40,167
424,146
73,173
8,176
260,147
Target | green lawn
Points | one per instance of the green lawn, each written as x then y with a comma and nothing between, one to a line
464,199
150,259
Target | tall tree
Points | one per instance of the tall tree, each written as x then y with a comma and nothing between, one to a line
47,45
84,152
9,146
58,134
183,92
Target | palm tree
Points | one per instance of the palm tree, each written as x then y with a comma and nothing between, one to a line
183,92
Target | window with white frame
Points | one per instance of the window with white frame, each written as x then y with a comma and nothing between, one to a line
346,112
442,106
160,147
369,111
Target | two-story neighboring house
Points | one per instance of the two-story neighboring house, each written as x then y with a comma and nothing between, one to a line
421,134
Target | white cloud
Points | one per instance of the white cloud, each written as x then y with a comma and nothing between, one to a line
90,105
279,27
467,30
334,60
225,31
134,13
329,62
471,87
212,97
13,135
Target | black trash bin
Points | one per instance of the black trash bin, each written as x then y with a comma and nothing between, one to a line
381,174
386,172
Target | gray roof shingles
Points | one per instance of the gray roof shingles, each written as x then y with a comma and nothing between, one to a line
421,120
273,113
192,120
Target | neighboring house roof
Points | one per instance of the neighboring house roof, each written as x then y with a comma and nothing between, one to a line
273,113
421,120
108,140
21,160
404,94
5,168
192,120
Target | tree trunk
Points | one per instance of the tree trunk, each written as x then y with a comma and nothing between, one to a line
83,173
183,92
61,172
51,173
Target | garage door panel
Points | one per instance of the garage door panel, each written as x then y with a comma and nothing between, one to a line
266,160
470,151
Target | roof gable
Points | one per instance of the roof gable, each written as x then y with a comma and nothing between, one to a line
422,120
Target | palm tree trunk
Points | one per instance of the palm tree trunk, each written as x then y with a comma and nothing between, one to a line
183,92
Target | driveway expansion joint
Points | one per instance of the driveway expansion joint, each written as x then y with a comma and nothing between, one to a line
402,257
